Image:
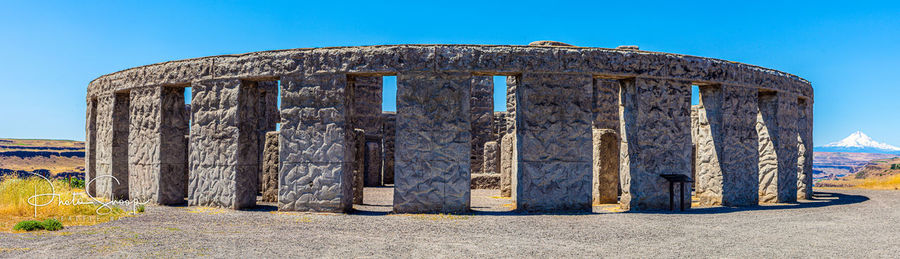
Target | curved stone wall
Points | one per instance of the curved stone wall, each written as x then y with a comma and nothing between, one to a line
558,95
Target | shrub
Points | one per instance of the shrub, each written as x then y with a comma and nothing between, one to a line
76,183
140,208
29,225
52,225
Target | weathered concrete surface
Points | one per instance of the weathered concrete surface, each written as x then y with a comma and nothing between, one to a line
90,147
121,122
366,115
804,150
269,191
433,149
109,150
156,159
507,145
777,129
553,141
314,153
372,160
491,158
390,131
482,105
485,181
358,146
605,166
224,143
655,140
605,100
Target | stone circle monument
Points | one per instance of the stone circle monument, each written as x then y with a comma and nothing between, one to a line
582,125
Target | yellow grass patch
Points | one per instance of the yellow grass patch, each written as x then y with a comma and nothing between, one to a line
881,183
16,192
206,210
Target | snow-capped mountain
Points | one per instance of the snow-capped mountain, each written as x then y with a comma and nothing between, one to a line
859,142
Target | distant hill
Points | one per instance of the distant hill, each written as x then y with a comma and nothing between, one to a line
53,158
833,165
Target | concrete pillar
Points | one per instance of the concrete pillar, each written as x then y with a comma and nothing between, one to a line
358,145
605,166
224,142
605,104
270,168
507,145
158,172
553,142
111,178
314,153
656,139
373,160
90,156
390,131
482,105
777,132
366,115
805,150
727,156
491,158
433,149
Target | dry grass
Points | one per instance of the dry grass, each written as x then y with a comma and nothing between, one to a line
881,183
14,205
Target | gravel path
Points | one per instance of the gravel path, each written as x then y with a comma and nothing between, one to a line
840,223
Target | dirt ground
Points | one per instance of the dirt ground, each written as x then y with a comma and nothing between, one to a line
839,223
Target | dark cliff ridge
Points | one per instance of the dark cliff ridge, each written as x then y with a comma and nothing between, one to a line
28,154
41,148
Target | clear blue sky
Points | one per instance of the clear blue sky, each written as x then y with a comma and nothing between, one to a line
51,50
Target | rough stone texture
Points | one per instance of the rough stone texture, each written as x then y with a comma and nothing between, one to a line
655,140
727,157
314,153
695,126
778,130
433,149
390,131
269,116
120,143
805,151
372,160
511,84
605,166
366,115
156,164
605,110
224,142
482,104
553,142
485,181
108,149
491,158
358,145
506,160
90,156
501,124
269,188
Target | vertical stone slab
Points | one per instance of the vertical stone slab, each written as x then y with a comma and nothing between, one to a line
739,158
767,129
512,83
103,183
121,124
482,104
145,136
433,149
269,116
605,166
270,168
90,156
709,141
805,150
366,115
507,144
553,142
358,144
314,153
224,142
390,131
491,158
786,144
655,126
373,160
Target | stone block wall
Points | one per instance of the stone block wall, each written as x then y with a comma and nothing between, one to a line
433,142
553,141
314,153
156,164
224,142
390,131
491,158
656,140
358,148
605,166
482,105
269,186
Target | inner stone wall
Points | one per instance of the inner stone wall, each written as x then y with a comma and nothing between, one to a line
433,148
656,140
269,186
366,115
224,142
482,105
314,154
390,131
269,117
553,142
